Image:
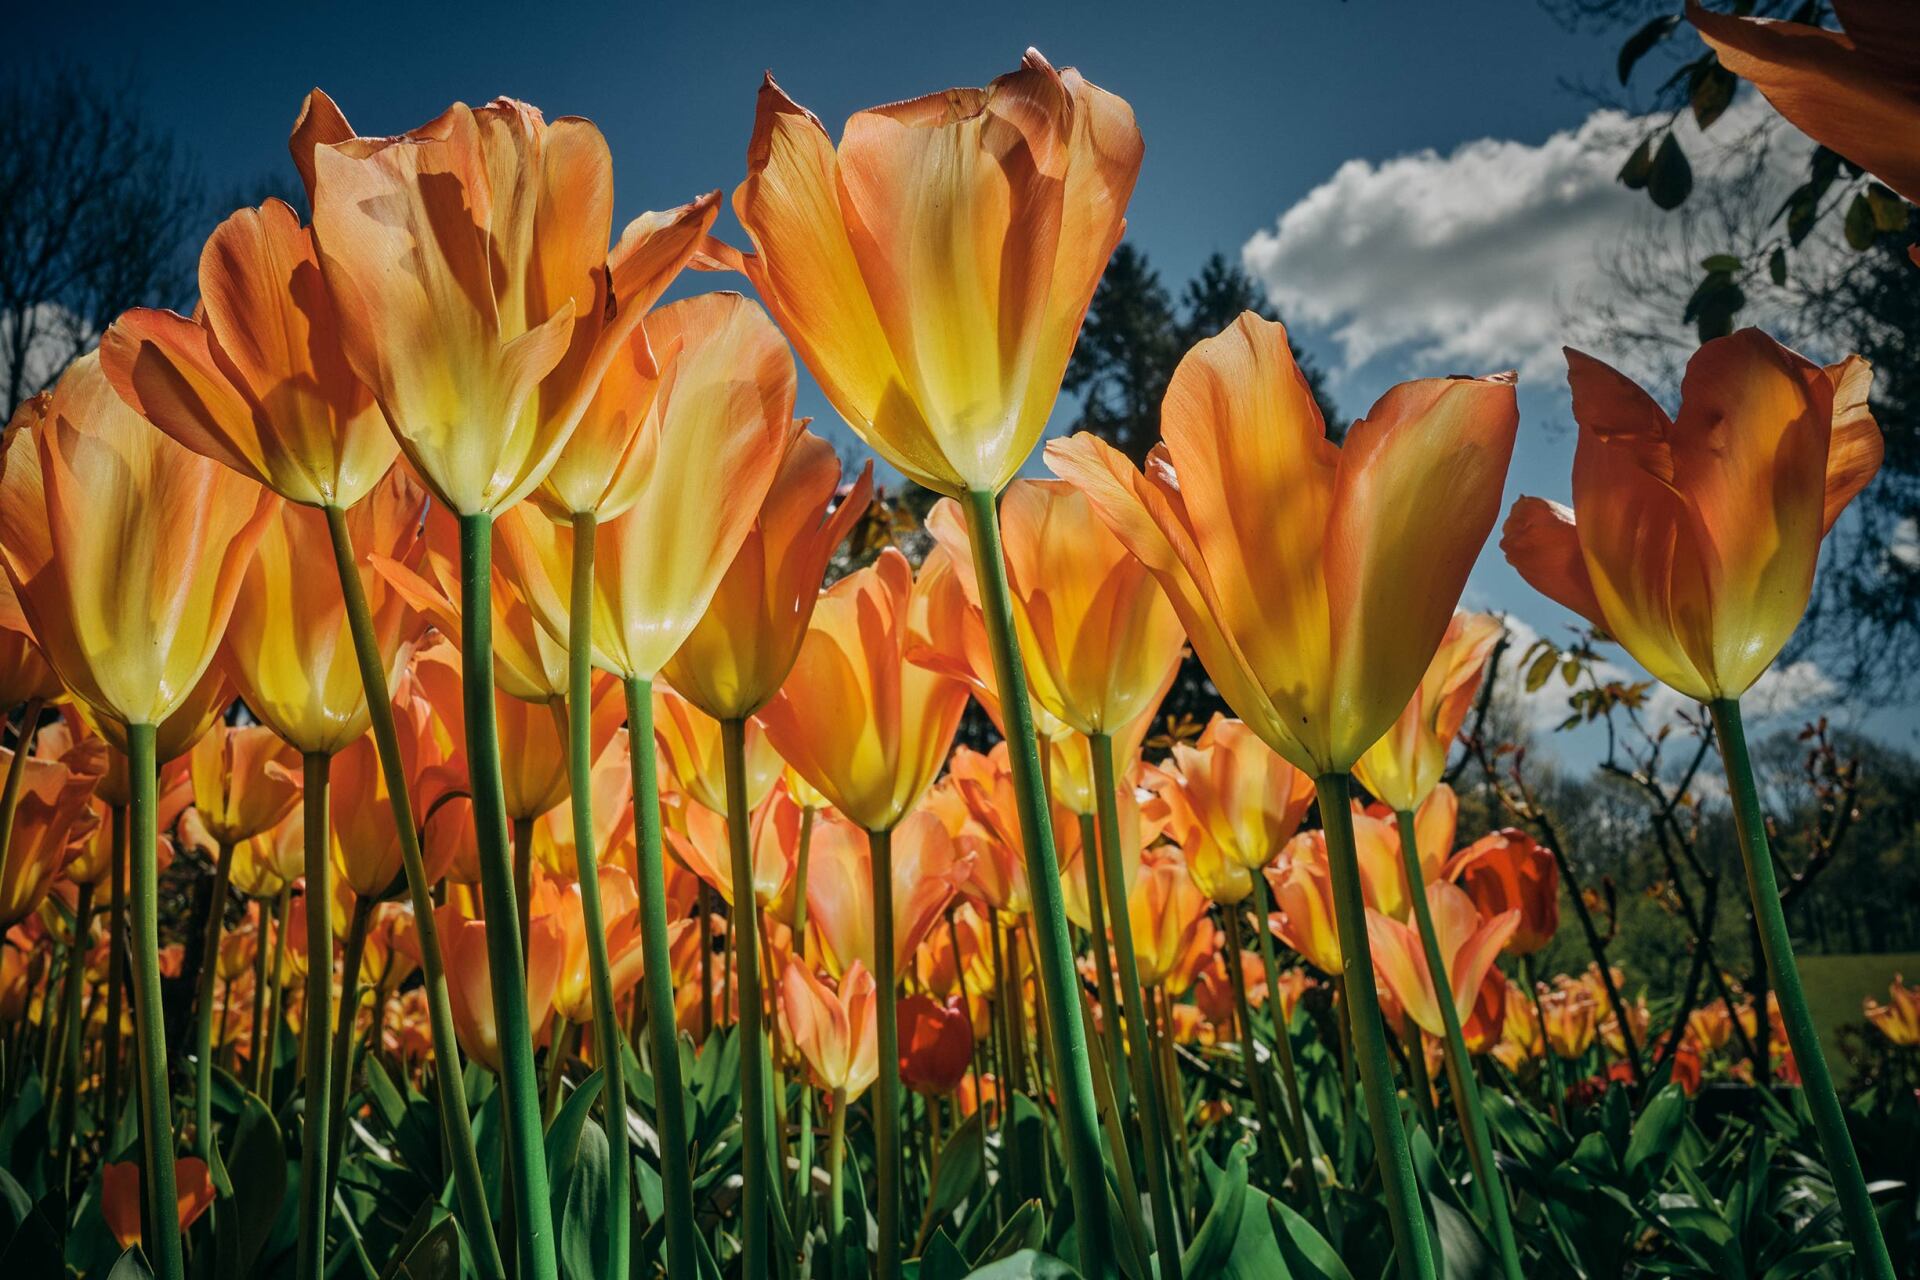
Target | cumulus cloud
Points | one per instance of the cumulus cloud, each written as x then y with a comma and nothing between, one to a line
1464,262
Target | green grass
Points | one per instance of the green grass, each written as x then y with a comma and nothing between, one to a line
1837,984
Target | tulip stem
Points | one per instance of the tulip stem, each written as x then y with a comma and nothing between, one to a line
72,1025
316,1020
1405,1211
116,967
276,999
836,1202
1283,1045
150,1039
669,1094
1140,1056
1489,1195
608,1049
1090,864
203,1013
1249,1057
450,1090
351,957
1829,1120
17,770
753,1049
533,1212
886,1103
1550,1059
1079,1121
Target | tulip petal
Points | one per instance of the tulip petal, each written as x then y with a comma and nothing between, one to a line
1542,544
1855,452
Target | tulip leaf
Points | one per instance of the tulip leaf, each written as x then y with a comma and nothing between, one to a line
943,1259
1655,1134
434,1256
256,1164
1024,1230
1027,1264
1212,1244
38,1247
131,1266
962,1160
1306,1252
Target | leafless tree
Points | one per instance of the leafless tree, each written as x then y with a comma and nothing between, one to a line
97,212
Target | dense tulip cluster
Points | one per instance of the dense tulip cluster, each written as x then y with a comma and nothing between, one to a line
642,800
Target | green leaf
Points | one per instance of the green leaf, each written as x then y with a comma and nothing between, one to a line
1711,92
577,1156
38,1247
1308,1255
943,1260
1541,670
256,1161
1655,1135
1670,179
1634,173
1724,263
962,1160
1889,210
435,1256
1642,42
1804,1262
1212,1244
1777,265
1024,1230
131,1266
1859,224
1027,1264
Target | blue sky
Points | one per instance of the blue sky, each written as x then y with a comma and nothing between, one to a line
1424,187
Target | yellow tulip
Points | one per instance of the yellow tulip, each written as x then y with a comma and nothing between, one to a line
245,780
1405,765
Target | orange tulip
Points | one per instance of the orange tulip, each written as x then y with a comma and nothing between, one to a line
269,862
1852,90
707,451
475,293
366,843
1469,944
1405,765
990,829
1484,1027
689,741
53,814
835,1030
1520,1040
1303,918
1230,798
288,648
933,959
740,652
774,833
936,1045
258,378
173,740
24,672
1693,540
1138,829
463,943
855,718
612,784
1069,767
1099,638
926,874
1169,917
120,1195
1899,1019
620,903
126,549
934,272
1572,1020
1315,581
947,634
1508,870
245,780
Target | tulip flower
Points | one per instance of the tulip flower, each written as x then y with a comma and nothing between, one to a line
24,673
739,653
833,1029
1899,1019
129,602
245,780
1469,944
990,829
1508,870
936,1045
1850,90
1168,913
120,1196
1571,1019
689,741
573,989
1405,765
554,844
926,872
469,982
1693,542
773,834
52,814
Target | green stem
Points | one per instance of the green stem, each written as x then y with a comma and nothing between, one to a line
203,1013
72,1024
1488,1193
1249,1058
276,999
1283,1045
1140,1056
886,1103
561,1038
1405,1211
1420,1085
1090,861
342,1065
1551,1069
450,1091
316,1020
608,1049
753,1048
116,968
1829,1120
17,772
533,1211
1079,1121
150,1040
669,1110
836,1201
800,881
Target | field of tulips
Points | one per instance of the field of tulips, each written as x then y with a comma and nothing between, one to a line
412,655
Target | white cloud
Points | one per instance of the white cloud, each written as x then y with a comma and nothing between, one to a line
1466,262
